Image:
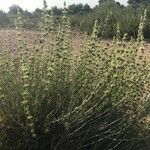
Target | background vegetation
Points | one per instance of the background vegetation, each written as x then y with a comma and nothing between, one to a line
108,13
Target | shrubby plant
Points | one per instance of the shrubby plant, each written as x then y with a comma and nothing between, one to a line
53,99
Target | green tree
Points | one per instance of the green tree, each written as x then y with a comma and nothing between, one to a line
136,3
4,20
86,8
57,11
103,1
14,9
27,14
37,13
75,9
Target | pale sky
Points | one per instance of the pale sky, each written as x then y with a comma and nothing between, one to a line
31,5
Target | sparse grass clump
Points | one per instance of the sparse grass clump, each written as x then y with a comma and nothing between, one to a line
53,99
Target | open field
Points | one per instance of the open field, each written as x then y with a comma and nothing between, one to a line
31,37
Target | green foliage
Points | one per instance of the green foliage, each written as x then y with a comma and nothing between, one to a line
57,11
53,99
4,20
137,3
14,9
108,13
105,1
78,9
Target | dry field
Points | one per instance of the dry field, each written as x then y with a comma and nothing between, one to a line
8,40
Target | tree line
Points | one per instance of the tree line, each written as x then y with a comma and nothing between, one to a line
8,19
108,13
